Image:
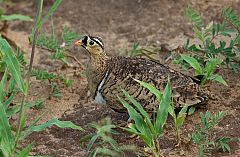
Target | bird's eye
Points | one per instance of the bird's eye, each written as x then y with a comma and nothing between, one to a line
91,42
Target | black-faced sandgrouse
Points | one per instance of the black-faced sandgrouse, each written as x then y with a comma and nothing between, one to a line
106,74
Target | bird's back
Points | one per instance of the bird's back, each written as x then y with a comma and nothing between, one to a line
120,72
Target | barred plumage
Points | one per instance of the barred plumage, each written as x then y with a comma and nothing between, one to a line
107,74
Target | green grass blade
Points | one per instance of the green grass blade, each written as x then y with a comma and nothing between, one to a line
133,114
25,151
5,129
28,130
15,17
60,124
7,102
105,152
91,142
50,12
141,125
145,138
183,110
151,88
163,109
172,112
12,63
211,65
219,79
180,119
23,121
141,110
193,62
191,110
3,85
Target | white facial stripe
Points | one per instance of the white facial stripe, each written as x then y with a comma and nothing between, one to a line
98,41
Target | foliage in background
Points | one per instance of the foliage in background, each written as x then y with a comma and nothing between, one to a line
12,17
102,143
206,72
12,78
203,135
12,83
178,120
53,80
137,50
58,45
4,19
212,37
149,131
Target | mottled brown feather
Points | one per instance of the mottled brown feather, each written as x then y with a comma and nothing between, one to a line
122,70
107,74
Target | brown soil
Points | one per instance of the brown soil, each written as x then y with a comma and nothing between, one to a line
120,23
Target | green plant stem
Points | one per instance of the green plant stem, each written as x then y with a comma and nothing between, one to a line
203,81
24,97
178,136
156,148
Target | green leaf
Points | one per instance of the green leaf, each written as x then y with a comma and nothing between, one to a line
15,17
60,124
231,16
222,143
23,121
141,110
91,142
211,65
2,86
191,110
172,112
25,151
5,130
180,119
138,119
141,125
106,151
194,63
9,100
162,112
29,129
219,79
200,151
151,88
12,110
194,17
12,63
183,110
11,86
50,12
198,34
225,147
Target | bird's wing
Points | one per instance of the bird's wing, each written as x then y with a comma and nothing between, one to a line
122,70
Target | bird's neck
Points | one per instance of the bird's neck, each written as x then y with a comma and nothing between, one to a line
95,71
96,67
98,63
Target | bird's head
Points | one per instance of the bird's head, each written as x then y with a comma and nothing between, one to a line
93,45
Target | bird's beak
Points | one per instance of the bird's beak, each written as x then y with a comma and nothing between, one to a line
78,43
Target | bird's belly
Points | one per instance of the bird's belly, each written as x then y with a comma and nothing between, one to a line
99,98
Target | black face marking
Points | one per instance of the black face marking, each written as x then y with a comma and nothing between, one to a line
84,41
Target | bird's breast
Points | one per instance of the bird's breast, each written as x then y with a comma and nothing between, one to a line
98,98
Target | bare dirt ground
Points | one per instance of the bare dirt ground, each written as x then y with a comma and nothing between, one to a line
120,23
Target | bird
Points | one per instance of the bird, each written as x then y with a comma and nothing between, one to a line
106,75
